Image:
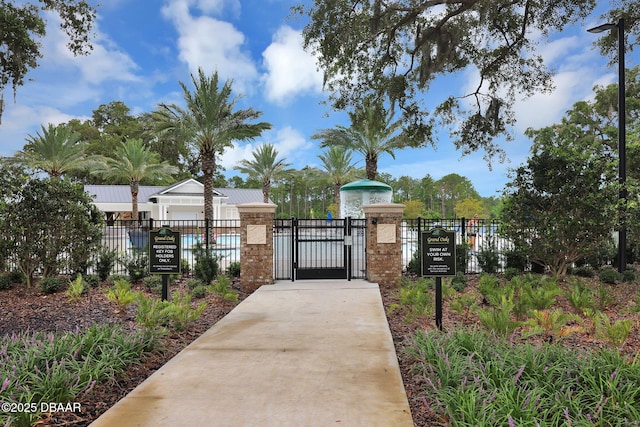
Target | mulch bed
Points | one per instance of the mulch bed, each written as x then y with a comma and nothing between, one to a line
28,309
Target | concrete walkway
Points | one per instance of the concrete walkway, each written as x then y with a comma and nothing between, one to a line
305,353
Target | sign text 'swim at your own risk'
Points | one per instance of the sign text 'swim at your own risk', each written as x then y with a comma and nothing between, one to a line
438,253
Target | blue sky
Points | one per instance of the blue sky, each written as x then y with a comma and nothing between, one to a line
143,49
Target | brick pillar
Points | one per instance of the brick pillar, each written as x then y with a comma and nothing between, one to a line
256,244
384,246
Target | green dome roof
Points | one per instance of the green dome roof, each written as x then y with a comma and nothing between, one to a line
367,185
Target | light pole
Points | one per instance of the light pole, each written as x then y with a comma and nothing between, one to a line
622,141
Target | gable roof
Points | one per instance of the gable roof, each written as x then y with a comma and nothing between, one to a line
148,193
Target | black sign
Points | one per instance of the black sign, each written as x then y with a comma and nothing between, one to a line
164,251
438,253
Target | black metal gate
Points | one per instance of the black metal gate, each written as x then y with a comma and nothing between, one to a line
319,249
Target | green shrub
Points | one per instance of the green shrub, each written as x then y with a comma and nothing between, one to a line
51,284
488,257
609,275
111,280
498,319
615,334
490,288
92,280
629,275
105,261
459,282
511,272
200,291
121,294
16,276
415,265
583,271
222,287
194,283
77,288
5,282
206,266
157,315
137,266
541,297
153,283
234,269
185,267
462,257
579,296
516,259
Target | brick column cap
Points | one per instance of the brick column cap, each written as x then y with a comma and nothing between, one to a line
383,208
257,208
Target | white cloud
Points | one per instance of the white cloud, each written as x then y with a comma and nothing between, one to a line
211,44
290,69
289,143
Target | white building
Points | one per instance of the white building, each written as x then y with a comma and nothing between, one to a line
181,201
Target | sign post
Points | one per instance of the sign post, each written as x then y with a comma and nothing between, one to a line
164,255
438,259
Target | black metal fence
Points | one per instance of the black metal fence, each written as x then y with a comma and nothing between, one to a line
129,241
472,236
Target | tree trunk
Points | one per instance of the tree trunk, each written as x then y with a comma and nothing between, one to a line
371,166
266,188
336,190
208,168
135,187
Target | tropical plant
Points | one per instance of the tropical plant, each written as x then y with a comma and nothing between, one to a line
372,133
133,163
614,333
104,262
579,296
498,318
56,151
552,324
77,288
222,287
121,294
337,163
265,167
209,123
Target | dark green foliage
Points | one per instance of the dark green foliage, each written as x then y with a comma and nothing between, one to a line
153,283
415,265
629,275
5,282
488,257
234,269
199,291
206,266
459,281
185,268
51,284
511,272
609,275
105,261
16,276
516,258
462,257
194,283
583,271
137,266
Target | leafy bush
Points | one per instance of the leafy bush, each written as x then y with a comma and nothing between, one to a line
511,272
615,334
583,271
490,288
552,324
105,261
629,275
16,276
185,267
153,283
579,296
516,259
158,315
194,283
462,256
51,284
5,282
206,266
415,265
498,319
200,291
488,257
459,282
234,269
77,288
609,275
121,294
222,287
137,266
92,280
415,298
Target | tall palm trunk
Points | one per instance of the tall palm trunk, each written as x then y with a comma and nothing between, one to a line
371,166
336,191
266,189
135,187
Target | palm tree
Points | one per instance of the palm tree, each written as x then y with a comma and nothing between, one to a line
337,164
56,151
133,162
372,133
264,167
209,122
